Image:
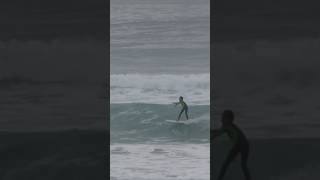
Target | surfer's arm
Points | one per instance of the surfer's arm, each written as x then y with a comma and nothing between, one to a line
176,103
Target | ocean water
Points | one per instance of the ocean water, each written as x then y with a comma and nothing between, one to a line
134,123
274,95
160,88
159,51
145,146
150,161
153,37
50,106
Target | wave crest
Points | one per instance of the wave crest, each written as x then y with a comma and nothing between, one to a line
160,89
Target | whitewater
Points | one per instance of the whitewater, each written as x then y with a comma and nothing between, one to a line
141,104
143,144
160,88
159,50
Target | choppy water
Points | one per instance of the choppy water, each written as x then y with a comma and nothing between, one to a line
147,122
50,106
167,36
160,88
158,161
146,147
159,51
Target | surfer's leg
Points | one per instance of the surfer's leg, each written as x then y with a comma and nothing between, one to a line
244,163
180,114
231,156
186,112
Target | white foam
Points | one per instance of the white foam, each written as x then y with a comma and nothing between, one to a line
161,162
160,88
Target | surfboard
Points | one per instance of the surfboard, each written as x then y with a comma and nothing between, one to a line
175,121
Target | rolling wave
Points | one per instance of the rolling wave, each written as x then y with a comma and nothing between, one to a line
135,122
160,88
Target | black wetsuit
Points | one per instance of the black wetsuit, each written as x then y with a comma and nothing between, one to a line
184,108
241,146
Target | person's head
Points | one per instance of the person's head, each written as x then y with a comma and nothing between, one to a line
227,117
180,98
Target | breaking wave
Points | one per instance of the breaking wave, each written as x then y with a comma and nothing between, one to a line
160,88
135,122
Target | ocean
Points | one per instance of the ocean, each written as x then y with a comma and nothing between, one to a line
143,144
159,51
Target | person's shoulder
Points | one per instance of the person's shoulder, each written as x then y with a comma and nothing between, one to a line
235,126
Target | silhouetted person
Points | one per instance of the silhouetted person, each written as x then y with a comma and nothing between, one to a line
240,144
184,107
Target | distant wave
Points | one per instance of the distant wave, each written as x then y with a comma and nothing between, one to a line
56,60
160,88
147,122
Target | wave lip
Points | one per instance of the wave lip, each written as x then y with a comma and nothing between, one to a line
160,88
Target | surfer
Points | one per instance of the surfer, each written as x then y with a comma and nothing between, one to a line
184,107
240,144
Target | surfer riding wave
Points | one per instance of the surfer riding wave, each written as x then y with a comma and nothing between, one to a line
184,108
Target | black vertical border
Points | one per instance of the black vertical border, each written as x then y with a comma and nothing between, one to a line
108,90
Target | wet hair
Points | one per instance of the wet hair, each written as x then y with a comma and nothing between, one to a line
228,115
181,97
